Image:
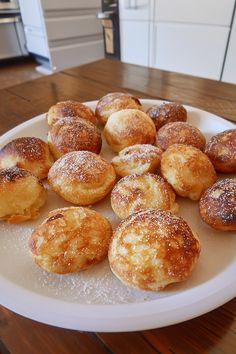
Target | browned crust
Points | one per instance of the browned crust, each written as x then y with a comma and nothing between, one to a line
15,196
138,158
70,240
82,177
129,127
113,102
69,134
180,133
218,205
140,152
80,166
188,170
132,193
221,150
169,240
166,113
29,153
28,148
12,174
70,109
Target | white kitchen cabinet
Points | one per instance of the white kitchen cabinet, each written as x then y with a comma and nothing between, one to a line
62,33
134,36
191,49
190,36
229,73
88,52
73,26
138,10
135,16
210,12
187,36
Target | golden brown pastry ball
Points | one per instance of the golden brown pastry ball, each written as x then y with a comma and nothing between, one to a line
82,177
153,248
221,150
135,192
139,158
166,113
69,134
188,170
218,205
31,154
22,195
180,133
129,127
70,240
113,102
70,109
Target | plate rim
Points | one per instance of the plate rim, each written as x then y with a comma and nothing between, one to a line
98,319
144,311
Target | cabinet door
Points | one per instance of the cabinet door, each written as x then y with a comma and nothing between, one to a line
134,10
72,26
195,11
134,37
229,74
191,49
77,54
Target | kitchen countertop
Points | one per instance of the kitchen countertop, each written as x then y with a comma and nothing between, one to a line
213,332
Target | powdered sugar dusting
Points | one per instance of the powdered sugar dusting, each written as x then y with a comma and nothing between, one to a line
81,165
30,148
73,109
98,285
70,134
140,152
218,204
12,174
180,133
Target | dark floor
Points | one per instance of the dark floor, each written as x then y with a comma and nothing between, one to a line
13,72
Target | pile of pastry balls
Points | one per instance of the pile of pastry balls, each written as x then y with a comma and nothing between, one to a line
160,156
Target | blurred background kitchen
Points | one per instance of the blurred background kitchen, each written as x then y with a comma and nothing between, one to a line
196,37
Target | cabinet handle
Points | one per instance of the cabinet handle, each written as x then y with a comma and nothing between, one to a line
131,4
105,15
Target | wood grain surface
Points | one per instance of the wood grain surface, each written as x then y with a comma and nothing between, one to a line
214,332
16,71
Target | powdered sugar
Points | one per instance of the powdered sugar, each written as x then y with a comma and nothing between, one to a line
140,152
98,285
82,165
30,148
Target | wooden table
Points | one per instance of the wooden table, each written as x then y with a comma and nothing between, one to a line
214,332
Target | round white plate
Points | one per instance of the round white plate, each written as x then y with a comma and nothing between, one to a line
94,300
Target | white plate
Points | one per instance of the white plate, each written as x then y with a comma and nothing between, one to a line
94,300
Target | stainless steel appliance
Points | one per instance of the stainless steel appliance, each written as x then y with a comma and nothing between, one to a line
12,38
111,28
